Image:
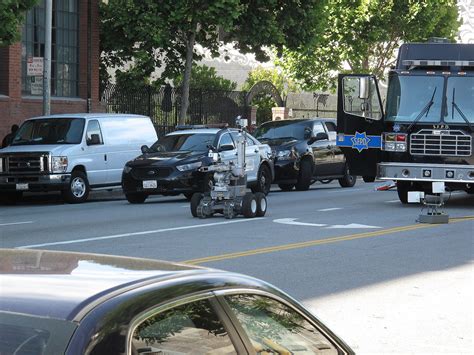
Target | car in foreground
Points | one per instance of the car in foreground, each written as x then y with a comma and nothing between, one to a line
171,165
305,152
70,303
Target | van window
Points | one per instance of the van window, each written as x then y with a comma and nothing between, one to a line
93,133
129,130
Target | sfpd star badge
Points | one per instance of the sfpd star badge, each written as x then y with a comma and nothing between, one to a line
360,141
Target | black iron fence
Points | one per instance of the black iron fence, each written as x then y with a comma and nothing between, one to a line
163,104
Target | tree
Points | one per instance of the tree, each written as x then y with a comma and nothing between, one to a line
263,101
363,36
204,77
155,33
11,17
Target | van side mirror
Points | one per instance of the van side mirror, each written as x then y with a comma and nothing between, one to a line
93,140
144,149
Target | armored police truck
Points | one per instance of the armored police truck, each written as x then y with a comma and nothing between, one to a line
424,138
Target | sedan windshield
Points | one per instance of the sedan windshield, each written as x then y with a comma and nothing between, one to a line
282,129
184,142
50,131
408,96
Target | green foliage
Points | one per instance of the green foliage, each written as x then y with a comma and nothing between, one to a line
204,77
364,35
264,101
11,18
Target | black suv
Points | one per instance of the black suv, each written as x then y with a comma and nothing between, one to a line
305,151
171,165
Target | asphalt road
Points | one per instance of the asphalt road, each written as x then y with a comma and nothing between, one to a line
356,257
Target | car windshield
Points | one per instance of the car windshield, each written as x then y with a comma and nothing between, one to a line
407,97
50,131
184,142
281,129
460,93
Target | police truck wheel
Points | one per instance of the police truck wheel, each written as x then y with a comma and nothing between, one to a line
286,187
347,180
78,189
368,178
249,205
195,200
261,204
264,180
305,175
403,187
135,197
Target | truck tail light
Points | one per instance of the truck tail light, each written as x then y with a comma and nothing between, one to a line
395,142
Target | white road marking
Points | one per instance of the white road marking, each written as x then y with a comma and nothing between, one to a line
352,226
15,223
133,234
330,209
292,221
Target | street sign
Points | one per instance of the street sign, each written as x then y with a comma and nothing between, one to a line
34,66
37,85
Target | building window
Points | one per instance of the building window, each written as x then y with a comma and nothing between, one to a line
64,49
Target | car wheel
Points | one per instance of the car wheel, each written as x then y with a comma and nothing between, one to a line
264,180
286,187
208,182
136,197
347,180
11,197
195,200
249,205
261,204
78,188
368,178
305,175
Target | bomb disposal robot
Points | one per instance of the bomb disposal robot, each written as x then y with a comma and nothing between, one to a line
229,195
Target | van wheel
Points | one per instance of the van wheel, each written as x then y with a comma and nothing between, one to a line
304,178
347,180
264,180
136,197
78,188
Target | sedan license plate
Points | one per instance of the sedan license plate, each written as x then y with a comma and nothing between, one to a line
22,187
150,184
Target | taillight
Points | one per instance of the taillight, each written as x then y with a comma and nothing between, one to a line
395,142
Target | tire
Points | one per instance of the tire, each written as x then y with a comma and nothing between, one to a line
228,211
264,180
203,210
347,180
195,200
403,187
286,187
368,178
78,188
208,183
305,175
249,205
261,204
135,197
11,197
188,195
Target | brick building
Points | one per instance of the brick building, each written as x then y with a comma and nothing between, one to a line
74,65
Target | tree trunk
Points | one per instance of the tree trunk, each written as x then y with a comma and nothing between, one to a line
187,77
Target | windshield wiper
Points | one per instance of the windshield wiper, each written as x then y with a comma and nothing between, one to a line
424,111
455,106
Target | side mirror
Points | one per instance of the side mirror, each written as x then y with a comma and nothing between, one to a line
364,85
93,140
144,149
226,147
319,137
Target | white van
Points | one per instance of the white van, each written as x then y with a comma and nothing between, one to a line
72,153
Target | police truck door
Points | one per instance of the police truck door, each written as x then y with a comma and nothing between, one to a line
360,123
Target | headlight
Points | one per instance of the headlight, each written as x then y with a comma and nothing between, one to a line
59,164
191,166
287,153
127,169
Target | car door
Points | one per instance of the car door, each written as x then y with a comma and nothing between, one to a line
322,152
94,156
337,156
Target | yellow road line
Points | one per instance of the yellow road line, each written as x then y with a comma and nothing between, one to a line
320,242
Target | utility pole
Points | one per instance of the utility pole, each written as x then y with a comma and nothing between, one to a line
48,26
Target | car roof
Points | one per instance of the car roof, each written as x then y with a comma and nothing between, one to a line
297,120
195,131
62,284
88,116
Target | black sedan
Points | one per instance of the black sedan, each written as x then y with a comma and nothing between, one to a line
305,152
69,303
171,165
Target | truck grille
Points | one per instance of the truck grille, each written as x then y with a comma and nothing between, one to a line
441,143
25,163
